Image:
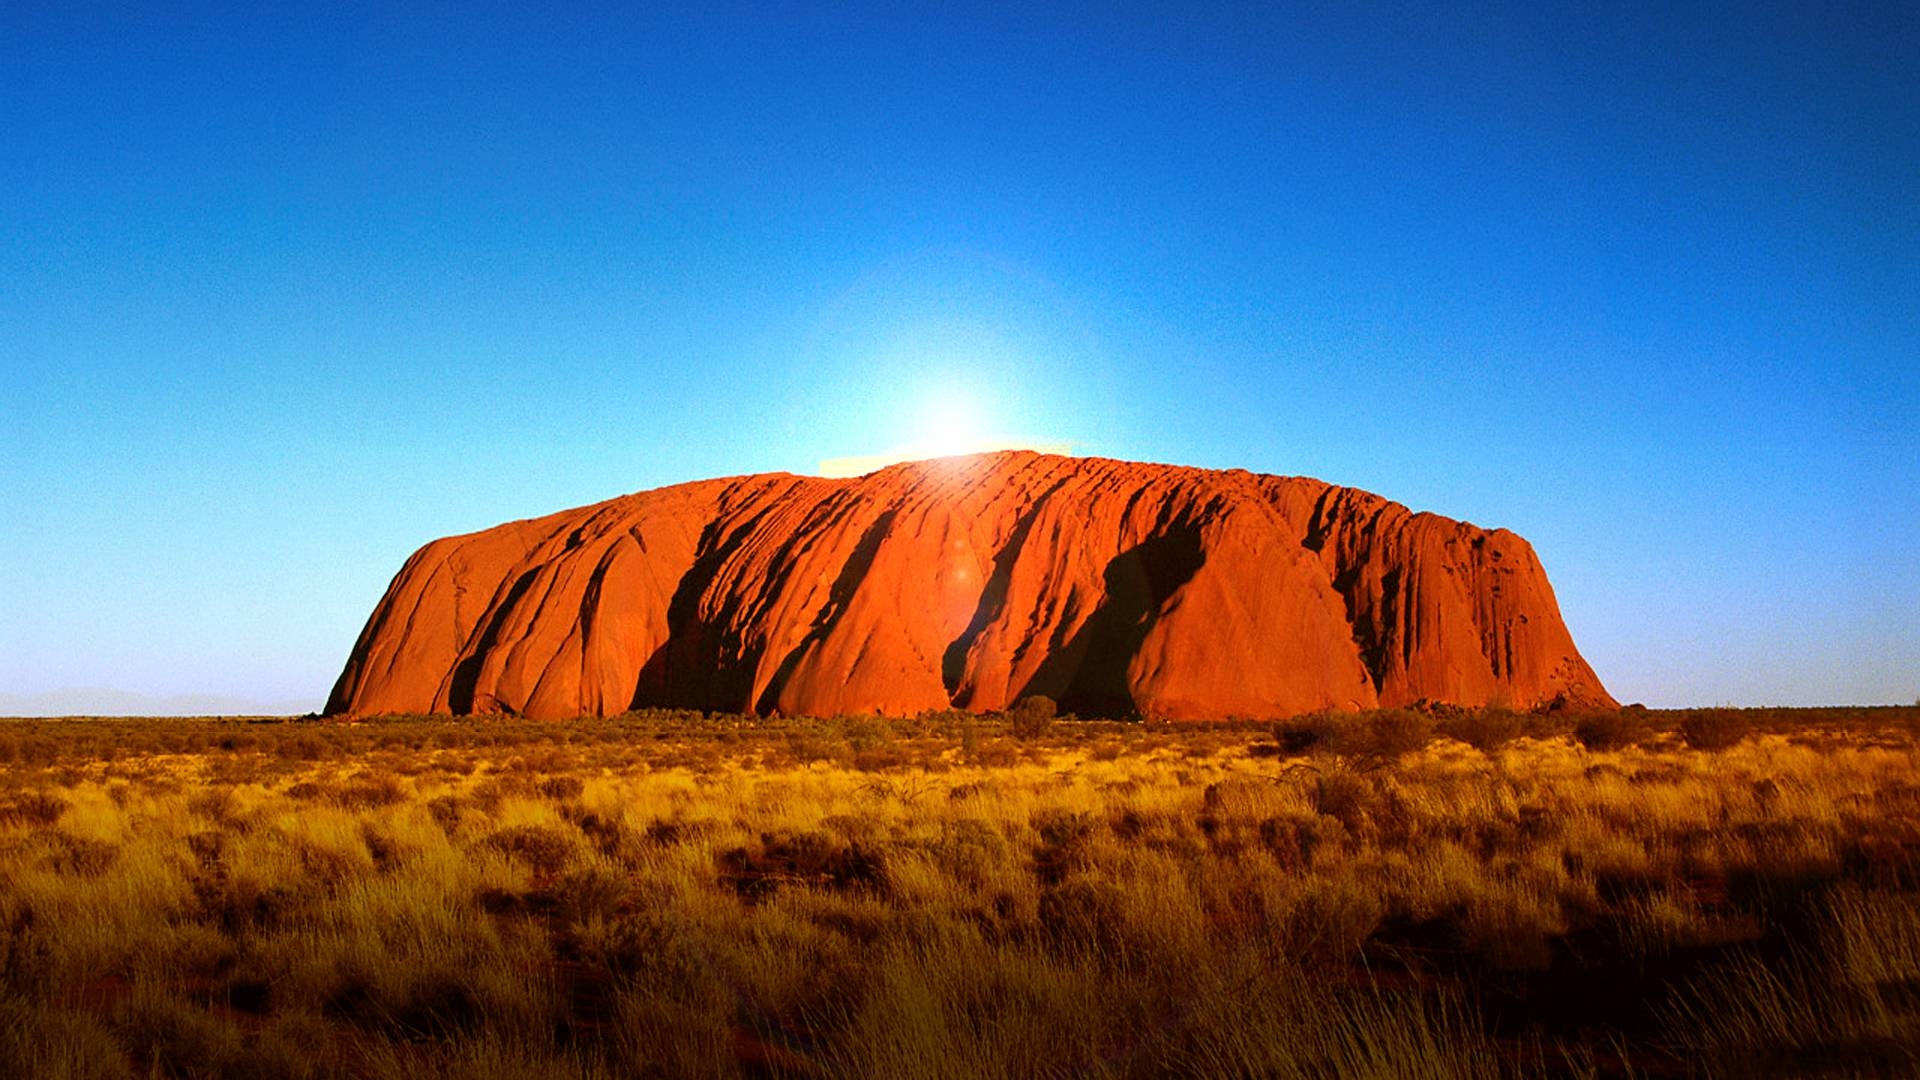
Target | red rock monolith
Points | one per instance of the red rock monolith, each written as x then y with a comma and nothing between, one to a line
1115,588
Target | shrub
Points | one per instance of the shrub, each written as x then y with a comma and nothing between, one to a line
804,857
45,1040
1083,915
38,750
38,808
1343,796
303,747
1030,716
1304,734
1066,839
1486,730
1608,731
807,747
1370,740
1382,737
543,849
1714,729
865,732
560,788
879,759
368,792
79,855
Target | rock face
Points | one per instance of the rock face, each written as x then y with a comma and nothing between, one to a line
1115,588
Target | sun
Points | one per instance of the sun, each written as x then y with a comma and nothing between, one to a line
949,422
950,427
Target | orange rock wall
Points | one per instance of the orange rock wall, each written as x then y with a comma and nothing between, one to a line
1115,588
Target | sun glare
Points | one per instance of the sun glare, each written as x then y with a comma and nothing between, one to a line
949,423
950,429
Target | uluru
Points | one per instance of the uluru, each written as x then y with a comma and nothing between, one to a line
1116,588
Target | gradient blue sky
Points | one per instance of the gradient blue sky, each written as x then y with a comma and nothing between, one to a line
283,295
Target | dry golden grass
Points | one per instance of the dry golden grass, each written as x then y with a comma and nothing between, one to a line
1393,895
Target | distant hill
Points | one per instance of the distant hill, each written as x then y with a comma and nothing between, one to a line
95,701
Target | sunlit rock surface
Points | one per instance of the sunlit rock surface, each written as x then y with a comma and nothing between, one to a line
1114,587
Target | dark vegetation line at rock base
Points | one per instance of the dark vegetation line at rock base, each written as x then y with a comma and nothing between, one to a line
868,742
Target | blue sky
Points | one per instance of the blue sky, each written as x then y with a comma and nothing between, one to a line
284,295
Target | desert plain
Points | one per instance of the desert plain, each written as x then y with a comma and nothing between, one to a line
1432,892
